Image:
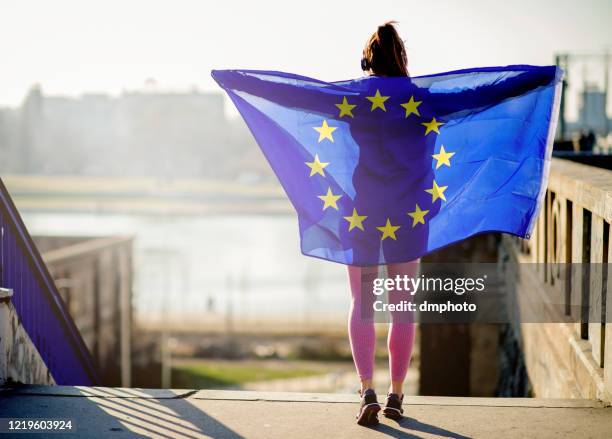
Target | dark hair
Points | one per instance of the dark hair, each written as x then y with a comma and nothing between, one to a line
384,53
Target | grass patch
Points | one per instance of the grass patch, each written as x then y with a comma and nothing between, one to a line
216,374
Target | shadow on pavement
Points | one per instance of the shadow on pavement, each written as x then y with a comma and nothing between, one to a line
410,426
102,413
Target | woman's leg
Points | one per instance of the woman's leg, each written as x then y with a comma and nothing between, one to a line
362,334
401,330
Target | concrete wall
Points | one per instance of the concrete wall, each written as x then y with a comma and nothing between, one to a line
94,278
19,360
473,348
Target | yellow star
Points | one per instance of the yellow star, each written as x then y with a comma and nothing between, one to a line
412,106
418,216
443,157
329,199
345,108
316,167
325,131
436,192
432,126
355,220
378,101
388,231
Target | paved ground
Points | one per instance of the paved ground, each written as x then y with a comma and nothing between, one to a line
124,413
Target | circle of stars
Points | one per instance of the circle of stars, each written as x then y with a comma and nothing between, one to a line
356,220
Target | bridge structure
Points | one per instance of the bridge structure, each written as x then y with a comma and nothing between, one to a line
569,353
568,359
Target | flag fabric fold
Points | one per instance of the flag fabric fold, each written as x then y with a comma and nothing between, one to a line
387,169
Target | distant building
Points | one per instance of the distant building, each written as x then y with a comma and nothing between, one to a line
9,139
139,133
592,110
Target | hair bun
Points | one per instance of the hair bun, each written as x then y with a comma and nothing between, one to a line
386,29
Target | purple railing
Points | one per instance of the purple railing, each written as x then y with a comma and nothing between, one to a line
38,303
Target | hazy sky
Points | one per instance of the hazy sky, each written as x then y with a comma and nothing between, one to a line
75,46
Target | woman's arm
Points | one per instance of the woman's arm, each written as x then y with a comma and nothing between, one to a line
286,89
480,88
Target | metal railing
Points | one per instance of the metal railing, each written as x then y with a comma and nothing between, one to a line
38,302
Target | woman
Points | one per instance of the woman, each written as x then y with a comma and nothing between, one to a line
383,55
380,164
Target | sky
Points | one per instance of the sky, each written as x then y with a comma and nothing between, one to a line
76,46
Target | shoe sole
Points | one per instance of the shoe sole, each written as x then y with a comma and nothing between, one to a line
369,415
392,413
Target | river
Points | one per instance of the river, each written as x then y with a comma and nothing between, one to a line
238,267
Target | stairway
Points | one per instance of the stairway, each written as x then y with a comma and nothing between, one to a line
37,304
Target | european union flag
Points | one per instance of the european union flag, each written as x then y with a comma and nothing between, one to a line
388,169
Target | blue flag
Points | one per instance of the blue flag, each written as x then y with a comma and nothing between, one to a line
387,169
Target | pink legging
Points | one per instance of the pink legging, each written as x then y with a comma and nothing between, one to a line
361,328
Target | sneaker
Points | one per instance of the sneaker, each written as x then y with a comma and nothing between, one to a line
393,408
369,408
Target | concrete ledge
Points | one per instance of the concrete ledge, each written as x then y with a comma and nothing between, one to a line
408,400
103,392
246,395
5,294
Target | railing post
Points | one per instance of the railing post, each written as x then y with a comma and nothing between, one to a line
541,236
576,279
566,238
596,323
125,298
608,320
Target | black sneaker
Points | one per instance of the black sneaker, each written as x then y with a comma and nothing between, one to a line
369,408
393,409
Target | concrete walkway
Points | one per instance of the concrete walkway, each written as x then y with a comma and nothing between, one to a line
126,413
